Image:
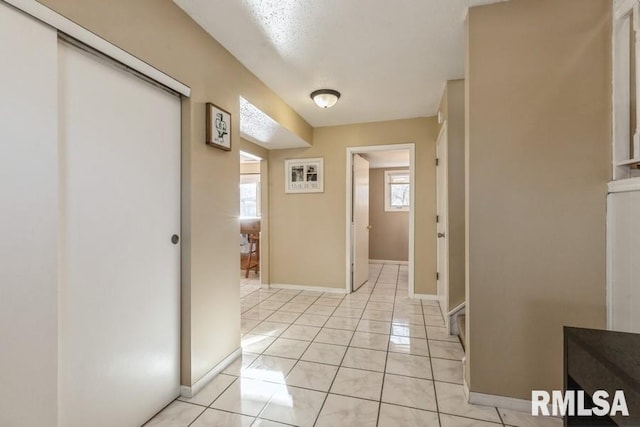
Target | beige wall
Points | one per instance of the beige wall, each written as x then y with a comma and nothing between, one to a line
452,110
158,32
308,230
389,237
538,152
255,149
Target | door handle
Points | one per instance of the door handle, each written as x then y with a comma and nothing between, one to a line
175,239
440,235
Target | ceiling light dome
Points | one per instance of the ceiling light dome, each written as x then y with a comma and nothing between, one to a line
325,98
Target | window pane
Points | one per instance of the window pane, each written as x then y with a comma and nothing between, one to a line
397,190
249,199
400,195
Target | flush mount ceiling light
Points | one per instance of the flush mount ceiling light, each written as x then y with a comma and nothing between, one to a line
325,98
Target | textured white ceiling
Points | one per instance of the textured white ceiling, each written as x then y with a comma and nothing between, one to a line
259,128
389,60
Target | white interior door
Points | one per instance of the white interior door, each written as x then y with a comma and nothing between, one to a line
441,225
120,205
623,231
360,221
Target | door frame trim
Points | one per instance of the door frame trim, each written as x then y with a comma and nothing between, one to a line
349,205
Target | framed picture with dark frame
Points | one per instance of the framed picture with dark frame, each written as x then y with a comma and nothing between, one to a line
304,175
218,127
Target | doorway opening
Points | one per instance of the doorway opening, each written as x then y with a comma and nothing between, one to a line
250,221
380,210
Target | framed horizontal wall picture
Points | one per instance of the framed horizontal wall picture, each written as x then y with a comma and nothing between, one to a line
218,127
304,175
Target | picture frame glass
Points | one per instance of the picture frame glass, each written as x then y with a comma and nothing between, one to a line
304,175
218,127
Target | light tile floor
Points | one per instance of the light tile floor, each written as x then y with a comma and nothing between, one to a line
375,357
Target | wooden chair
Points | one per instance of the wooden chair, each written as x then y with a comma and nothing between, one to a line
251,227
253,259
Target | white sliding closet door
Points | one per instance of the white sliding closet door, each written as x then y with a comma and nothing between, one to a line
120,205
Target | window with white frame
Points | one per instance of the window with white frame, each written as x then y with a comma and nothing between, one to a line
397,190
250,195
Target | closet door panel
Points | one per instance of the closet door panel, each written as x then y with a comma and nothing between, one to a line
119,299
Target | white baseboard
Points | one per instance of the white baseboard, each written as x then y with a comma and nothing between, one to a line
504,402
428,297
475,398
307,288
190,391
482,399
387,261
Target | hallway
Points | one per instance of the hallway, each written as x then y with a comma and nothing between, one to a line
375,357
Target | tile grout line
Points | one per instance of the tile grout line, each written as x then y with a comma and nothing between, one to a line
271,294
355,369
386,359
340,305
500,417
220,394
341,395
225,389
343,357
299,314
297,360
265,319
275,338
365,332
382,290
196,418
305,350
317,333
239,377
435,392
